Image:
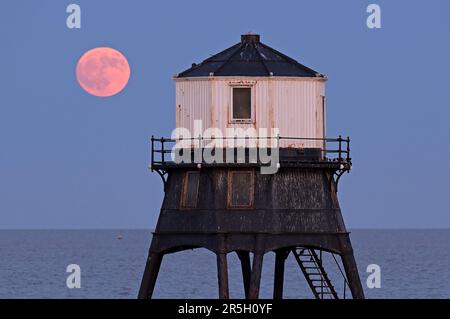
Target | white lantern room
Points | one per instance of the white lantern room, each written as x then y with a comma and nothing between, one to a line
251,85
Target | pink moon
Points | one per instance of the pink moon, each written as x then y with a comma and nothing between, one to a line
103,71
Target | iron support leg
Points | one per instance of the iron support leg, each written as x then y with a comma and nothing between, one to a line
255,278
222,275
150,274
244,257
280,258
351,271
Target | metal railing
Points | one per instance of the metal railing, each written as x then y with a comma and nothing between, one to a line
334,150
345,285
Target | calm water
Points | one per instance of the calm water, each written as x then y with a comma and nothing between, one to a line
414,264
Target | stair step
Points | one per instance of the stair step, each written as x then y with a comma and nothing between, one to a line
311,260
325,293
315,273
323,286
326,288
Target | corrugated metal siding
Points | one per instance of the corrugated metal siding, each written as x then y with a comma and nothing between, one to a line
193,102
294,106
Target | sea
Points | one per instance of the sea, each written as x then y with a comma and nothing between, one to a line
33,264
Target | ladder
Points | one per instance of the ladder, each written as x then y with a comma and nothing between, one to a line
311,266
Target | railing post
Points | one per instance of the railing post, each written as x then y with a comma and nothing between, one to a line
152,155
198,151
348,149
162,150
340,148
200,145
324,147
182,146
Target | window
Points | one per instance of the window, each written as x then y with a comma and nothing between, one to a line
240,189
242,104
190,190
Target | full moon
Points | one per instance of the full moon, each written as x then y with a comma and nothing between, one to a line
103,71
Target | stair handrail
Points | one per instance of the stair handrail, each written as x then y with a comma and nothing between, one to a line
342,273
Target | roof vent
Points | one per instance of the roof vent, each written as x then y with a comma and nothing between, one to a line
250,38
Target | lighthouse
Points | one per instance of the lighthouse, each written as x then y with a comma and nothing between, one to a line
250,170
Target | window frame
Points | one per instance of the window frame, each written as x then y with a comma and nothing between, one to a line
230,205
250,120
185,190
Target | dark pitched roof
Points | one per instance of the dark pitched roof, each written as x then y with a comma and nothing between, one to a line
249,57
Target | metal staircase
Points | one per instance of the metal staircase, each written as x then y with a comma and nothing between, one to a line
311,266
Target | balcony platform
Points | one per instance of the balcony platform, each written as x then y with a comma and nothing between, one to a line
335,156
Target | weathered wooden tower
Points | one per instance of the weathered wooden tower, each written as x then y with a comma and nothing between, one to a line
233,205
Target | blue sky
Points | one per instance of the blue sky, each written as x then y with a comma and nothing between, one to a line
71,160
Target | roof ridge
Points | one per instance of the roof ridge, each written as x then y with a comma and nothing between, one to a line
197,65
229,58
262,61
290,59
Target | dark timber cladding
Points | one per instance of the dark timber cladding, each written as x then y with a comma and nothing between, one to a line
234,208
240,210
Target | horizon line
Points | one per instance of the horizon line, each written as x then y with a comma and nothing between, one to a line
152,229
